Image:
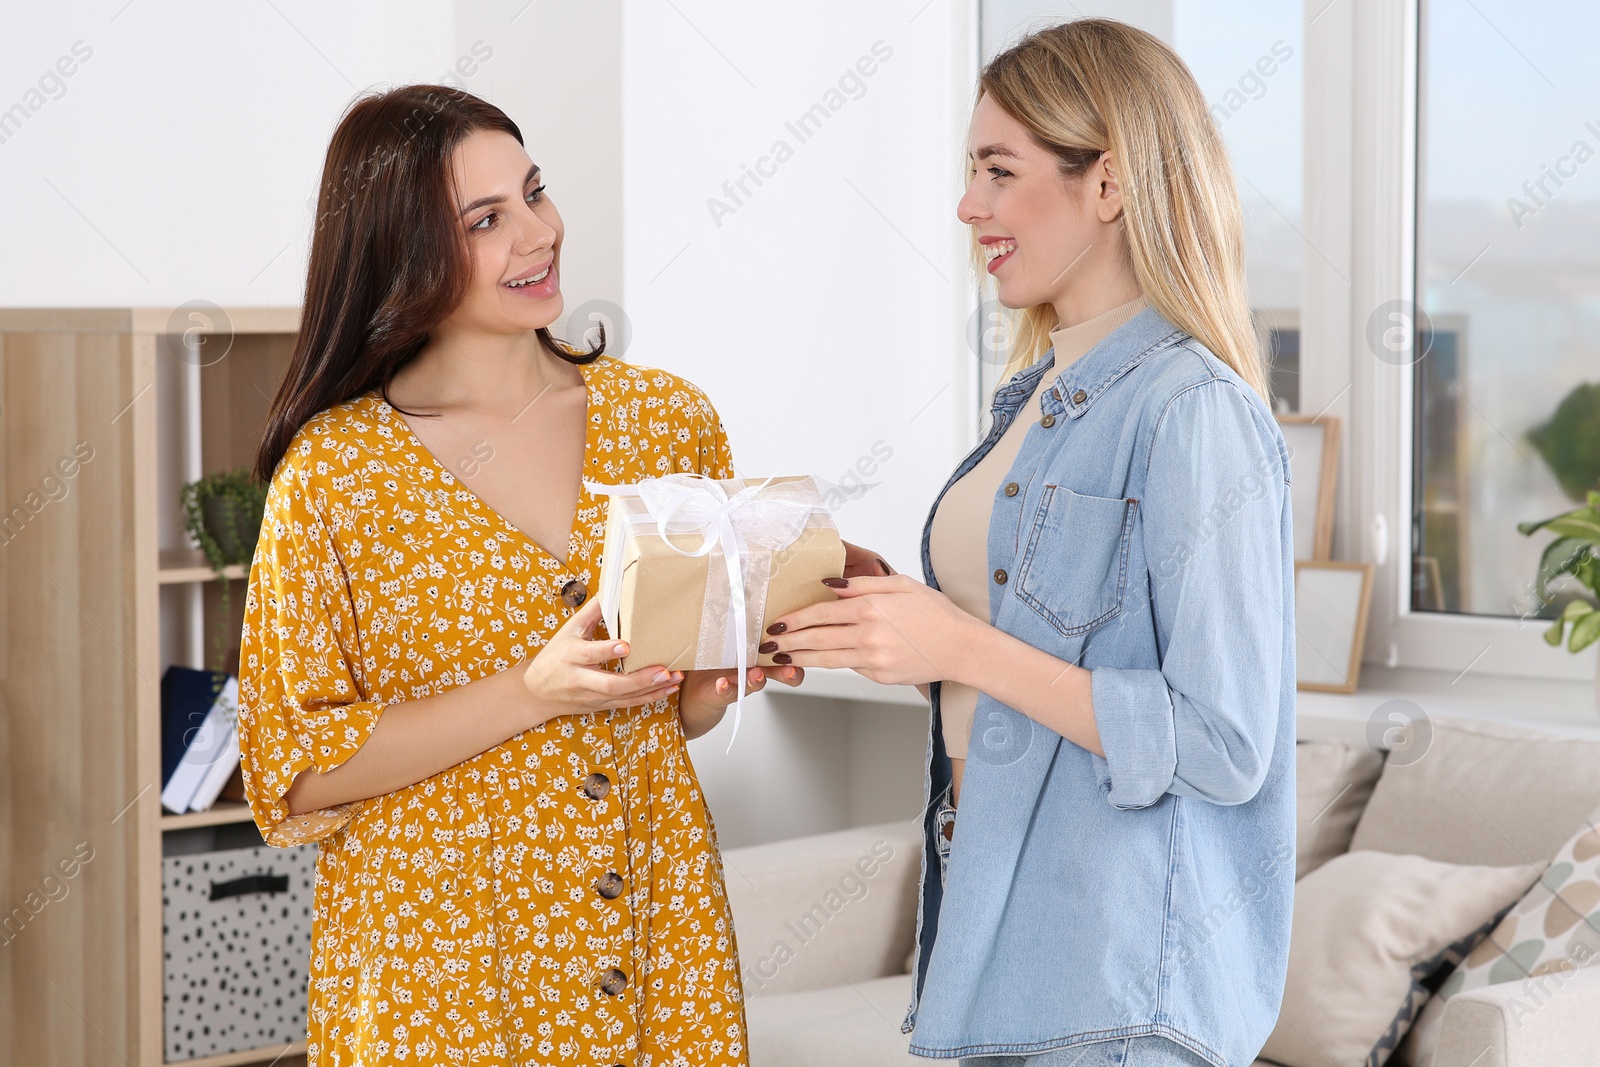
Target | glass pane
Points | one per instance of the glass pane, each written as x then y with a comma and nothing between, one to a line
1246,57
1508,241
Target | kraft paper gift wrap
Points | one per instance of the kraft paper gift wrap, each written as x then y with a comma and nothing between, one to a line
687,559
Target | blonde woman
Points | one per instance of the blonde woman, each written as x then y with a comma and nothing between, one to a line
1106,625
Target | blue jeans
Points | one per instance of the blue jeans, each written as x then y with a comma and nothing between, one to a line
1149,1051
944,820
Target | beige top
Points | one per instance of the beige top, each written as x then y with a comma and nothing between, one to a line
958,542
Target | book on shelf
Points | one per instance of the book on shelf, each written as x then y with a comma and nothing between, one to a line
199,737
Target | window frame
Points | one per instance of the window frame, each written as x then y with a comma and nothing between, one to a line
1361,113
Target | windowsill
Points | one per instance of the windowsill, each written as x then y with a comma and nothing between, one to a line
1564,707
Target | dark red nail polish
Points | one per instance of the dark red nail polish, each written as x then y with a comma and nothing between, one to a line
836,583
781,657
885,566
767,646
777,628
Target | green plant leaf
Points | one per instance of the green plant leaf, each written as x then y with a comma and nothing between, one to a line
1584,632
1576,609
1581,523
1526,528
1552,636
1561,556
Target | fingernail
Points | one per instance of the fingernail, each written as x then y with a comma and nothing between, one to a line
836,583
662,676
777,628
781,657
767,646
619,649
882,564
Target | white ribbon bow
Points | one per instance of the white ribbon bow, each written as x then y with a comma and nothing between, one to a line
766,516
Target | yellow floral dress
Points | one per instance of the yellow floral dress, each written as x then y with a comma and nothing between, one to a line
557,899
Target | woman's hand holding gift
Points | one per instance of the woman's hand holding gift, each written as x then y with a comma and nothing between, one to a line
707,694
889,628
860,561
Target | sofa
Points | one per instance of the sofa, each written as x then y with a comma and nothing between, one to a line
825,923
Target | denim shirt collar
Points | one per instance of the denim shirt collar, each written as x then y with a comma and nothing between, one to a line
1077,387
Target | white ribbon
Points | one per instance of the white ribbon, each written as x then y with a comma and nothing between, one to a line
766,517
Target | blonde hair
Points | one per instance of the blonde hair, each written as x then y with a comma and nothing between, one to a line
1096,85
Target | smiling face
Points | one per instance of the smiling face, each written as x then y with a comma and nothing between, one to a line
1047,239
513,232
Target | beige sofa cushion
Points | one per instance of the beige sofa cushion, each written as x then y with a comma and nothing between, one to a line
824,910
1333,781
1364,923
1552,932
1482,793
1494,1027
847,1026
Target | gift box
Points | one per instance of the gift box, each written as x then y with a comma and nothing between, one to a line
688,559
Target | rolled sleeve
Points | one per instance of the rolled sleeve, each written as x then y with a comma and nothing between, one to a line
301,704
1203,725
1138,732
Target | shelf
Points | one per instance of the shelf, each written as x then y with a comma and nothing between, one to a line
183,565
220,813
269,1054
88,573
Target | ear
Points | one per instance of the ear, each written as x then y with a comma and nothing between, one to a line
1108,193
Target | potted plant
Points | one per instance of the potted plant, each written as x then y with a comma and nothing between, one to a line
1570,441
222,513
1576,553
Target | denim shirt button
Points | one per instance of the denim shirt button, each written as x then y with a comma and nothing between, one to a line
1000,577
1011,488
1048,421
1079,397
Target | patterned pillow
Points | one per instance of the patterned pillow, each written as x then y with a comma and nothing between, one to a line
1550,932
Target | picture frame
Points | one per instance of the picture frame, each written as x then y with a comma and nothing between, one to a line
1331,600
1312,483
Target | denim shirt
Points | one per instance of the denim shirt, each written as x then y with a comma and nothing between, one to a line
1143,532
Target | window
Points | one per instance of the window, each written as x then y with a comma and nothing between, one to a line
1246,57
1505,425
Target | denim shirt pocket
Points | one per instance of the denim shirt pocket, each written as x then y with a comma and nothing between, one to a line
1074,567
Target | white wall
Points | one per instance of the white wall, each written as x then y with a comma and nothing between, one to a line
825,315
823,309
180,159
557,72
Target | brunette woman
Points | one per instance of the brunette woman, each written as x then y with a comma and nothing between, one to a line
516,865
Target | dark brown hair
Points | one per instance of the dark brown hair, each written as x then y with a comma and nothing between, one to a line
389,260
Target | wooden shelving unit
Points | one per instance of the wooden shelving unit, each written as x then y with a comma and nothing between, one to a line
104,413
219,814
274,1054
181,566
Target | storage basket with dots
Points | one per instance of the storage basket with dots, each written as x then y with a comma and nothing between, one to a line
236,937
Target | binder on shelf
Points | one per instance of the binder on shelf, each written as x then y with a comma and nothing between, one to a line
199,737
